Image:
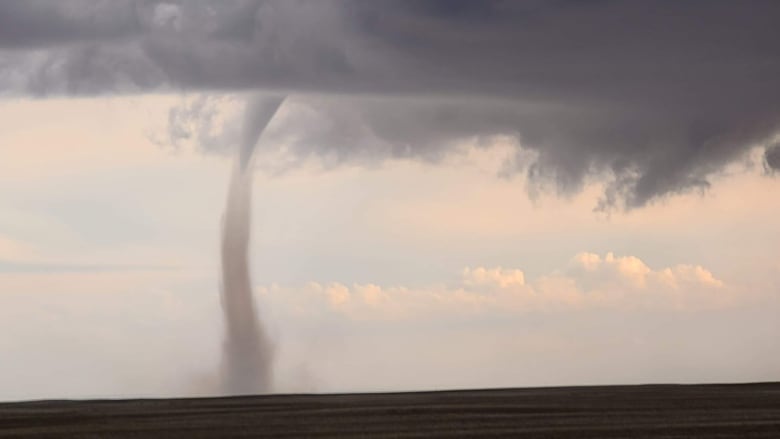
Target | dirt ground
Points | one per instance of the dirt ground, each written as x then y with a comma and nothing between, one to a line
667,411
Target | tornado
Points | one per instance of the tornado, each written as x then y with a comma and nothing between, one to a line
247,364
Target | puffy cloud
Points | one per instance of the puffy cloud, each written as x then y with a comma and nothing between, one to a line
590,282
493,278
627,281
655,98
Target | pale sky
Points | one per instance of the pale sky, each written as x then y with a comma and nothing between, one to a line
401,276
452,194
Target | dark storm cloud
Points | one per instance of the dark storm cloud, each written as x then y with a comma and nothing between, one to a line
657,96
33,23
772,157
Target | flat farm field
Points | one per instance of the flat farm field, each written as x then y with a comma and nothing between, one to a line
651,411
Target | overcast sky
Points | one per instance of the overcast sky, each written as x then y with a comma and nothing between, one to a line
453,194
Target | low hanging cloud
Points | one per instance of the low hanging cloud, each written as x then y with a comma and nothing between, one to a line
772,157
654,98
590,281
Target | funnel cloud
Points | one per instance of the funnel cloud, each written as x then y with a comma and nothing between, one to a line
248,351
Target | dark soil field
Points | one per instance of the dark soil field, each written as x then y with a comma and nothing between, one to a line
658,411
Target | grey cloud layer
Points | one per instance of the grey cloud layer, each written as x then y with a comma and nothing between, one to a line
34,23
659,96
772,157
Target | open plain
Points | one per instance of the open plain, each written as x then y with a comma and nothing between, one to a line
667,411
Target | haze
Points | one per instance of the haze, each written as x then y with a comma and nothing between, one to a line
451,195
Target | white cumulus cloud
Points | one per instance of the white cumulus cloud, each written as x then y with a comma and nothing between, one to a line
590,281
